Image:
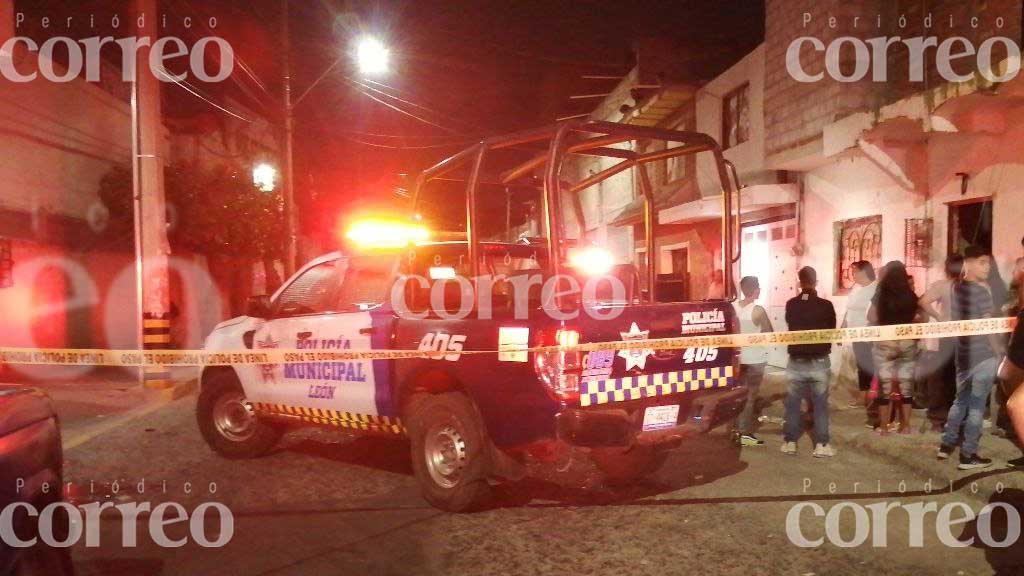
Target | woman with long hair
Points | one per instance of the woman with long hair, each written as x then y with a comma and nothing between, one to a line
895,303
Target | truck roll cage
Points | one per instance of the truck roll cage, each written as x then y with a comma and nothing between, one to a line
554,143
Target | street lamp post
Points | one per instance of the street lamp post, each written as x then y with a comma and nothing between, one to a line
372,58
288,189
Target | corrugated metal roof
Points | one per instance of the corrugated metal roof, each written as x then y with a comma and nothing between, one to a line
657,107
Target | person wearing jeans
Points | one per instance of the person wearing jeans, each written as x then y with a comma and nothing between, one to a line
976,362
973,387
808,378
809,368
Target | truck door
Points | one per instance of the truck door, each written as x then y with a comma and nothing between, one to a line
296,321
362,322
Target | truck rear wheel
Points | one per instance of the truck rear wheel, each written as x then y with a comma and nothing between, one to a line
622,466
449,452
227,424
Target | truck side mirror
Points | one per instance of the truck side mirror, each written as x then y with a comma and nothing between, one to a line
258,306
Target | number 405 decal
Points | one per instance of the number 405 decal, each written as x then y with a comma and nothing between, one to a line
700,355
441,342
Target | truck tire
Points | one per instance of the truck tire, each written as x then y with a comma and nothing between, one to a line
449,452
623,466
227,425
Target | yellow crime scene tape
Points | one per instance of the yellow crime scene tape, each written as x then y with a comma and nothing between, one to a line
103,357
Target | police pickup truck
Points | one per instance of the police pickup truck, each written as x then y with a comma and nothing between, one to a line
476,299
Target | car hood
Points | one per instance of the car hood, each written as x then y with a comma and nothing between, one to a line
21,406
231,322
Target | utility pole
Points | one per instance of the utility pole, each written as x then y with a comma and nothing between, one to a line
287,180
152,247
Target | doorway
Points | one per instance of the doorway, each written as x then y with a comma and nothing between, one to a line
970,224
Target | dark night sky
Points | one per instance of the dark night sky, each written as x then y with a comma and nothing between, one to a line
474,67
480,67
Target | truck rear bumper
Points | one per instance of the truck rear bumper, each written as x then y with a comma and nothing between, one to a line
622,425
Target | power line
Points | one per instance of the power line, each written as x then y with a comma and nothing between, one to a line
195,92
241,64
392,147
403,101
406,112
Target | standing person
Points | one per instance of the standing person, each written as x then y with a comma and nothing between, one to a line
976,363
857,306
809,368
716,290
942,380
895,303
1013,300
753,319
1011,373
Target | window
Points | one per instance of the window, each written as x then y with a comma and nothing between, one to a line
655,170
367,283
6,264
736,117
917,242
856,240
675,168
311,293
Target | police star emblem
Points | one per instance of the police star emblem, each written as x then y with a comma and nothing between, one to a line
635,358
267,370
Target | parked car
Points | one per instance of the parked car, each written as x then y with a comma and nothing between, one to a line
31,467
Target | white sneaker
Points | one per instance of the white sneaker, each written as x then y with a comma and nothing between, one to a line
789,448
823,451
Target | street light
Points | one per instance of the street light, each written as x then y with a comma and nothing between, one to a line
264,177
372,56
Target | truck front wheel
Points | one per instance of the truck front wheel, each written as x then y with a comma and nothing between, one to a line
449,452
227,424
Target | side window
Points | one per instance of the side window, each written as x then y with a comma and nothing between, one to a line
311,293
367,284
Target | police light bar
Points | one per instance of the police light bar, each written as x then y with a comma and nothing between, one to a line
591,260
383,234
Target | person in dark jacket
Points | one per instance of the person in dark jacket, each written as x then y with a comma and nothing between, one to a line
810,368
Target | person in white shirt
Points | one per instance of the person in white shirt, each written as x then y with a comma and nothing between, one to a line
857,306
753,319
936,303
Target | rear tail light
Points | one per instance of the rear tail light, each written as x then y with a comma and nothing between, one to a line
559,371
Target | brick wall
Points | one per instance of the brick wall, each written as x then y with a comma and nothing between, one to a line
795,112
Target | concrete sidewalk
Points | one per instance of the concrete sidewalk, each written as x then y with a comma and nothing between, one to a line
104,398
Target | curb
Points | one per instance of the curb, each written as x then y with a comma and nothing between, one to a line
162,397
179,389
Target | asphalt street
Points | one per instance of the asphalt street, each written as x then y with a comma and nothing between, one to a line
328,503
